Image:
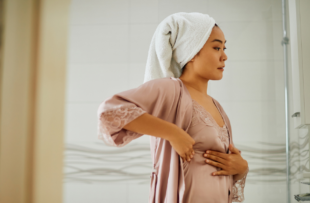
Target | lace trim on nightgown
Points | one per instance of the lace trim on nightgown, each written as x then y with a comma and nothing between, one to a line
238,189
205,117
114,120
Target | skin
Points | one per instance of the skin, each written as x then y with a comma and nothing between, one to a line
198,71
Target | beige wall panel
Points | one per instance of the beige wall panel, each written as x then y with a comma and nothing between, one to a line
32,100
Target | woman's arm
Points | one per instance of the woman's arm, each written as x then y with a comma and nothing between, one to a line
130,114
151,125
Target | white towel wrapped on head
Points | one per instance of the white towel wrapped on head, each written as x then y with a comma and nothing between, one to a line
177,39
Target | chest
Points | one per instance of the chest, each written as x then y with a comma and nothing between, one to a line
206,132
208,105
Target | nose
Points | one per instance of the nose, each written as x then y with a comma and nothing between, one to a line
225,57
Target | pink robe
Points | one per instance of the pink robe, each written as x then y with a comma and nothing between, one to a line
168,99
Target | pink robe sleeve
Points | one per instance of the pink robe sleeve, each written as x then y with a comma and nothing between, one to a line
114,113
238,188
112,121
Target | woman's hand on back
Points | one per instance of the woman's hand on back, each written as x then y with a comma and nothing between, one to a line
183,143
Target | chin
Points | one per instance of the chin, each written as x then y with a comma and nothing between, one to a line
218,78
214,77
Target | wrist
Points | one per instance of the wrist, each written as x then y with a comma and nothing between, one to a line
239,176
243,173
173,133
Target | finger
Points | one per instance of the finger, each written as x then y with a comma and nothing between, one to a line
219,173
214,163
218,154
188,157
192,152
183,159
217,159
233,149
189,154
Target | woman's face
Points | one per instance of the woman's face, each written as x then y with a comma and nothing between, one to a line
211,57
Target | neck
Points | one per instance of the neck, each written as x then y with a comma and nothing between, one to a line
198,85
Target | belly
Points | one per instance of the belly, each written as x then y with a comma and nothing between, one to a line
200,185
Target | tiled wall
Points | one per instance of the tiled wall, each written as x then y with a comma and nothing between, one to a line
108,45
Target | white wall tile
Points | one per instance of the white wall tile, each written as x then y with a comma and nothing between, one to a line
244,10
168,7
95,82
139,41
274,192
253,40
138,193
92,12
253,121
81,122
95,193
98,44
136,74
246,81
144,11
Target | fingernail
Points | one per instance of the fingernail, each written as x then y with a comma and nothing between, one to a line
191,156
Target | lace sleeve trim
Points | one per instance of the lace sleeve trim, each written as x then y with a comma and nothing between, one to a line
238,189
113,120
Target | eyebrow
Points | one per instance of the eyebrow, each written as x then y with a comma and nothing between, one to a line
219,40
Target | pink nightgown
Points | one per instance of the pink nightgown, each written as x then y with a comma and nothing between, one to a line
207,135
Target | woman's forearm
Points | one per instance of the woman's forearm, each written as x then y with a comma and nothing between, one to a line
151,125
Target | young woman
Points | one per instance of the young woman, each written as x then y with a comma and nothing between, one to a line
183,122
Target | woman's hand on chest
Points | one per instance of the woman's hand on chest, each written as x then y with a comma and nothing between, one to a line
231,164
